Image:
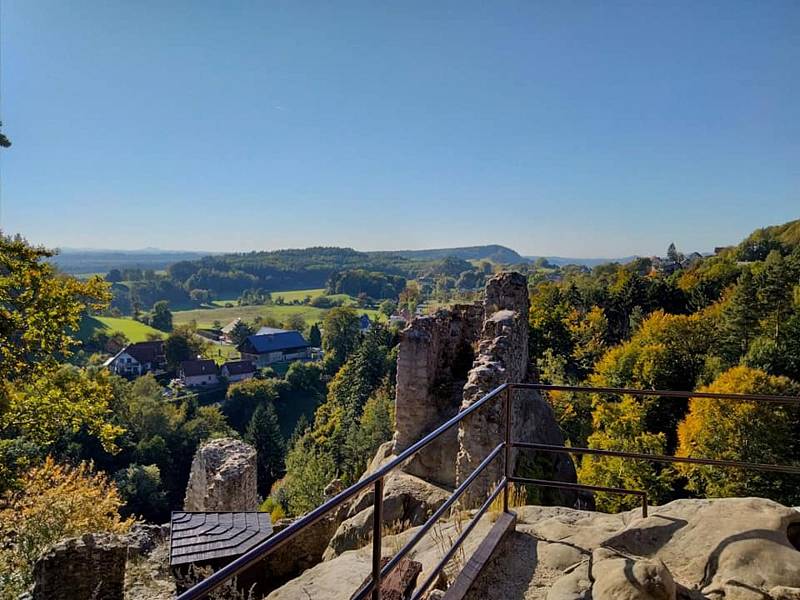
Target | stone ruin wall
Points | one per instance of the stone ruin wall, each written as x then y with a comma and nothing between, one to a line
435,355
222,478
450,360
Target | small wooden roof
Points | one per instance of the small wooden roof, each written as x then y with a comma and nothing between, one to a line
201,537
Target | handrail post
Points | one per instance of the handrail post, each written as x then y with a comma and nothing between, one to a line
507,456
377,523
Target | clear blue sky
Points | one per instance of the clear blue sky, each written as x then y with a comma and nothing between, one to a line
566,128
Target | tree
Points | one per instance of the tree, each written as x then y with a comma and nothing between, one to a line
240,332
54,502
161,317
264,434
295,321
315,336
243,398
39,309
114,276
341,336
140,488
182,344
742,431
740,317
673,254
387,307
4,141
620,425
308,472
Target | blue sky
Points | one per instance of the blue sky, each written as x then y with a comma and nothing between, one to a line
557,128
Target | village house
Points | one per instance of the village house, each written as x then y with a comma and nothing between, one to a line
197,373
137,359
270,345
238,370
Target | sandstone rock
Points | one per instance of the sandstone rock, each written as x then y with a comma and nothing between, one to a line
408,501
304,550
222,478
718,546
781,592
338,578
576,584
721,549
619,577
91,567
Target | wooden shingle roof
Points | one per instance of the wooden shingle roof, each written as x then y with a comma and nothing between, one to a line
200,537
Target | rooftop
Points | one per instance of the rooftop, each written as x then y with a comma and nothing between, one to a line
199,537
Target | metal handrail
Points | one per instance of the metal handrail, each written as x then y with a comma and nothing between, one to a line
376,479
263,549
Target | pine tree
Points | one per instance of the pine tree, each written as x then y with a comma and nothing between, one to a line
741,317
264,434
314,336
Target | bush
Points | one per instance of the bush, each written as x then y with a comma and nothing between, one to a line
54,502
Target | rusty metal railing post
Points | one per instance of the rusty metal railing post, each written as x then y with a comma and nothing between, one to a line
377,530
507,454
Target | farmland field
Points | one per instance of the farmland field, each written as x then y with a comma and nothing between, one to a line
288,297
205,317
133,330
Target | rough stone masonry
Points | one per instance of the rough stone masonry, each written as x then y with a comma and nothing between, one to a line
450,360
223,478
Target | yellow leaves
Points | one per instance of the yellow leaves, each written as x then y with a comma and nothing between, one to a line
54,502
736,430
62,402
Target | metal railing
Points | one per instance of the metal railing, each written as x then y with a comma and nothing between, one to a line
376,480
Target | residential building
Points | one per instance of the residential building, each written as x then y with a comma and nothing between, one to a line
238,370
139,358
197,373
271,345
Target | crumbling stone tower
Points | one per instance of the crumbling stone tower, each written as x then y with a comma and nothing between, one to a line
448,361
223,478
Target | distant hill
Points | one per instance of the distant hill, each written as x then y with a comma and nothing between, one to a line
586,262
492,252
78,260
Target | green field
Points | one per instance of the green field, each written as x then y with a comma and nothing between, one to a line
205,317
135,331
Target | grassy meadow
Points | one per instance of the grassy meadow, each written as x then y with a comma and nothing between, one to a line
135,331
205,317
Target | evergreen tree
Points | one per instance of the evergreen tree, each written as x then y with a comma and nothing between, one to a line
314,336
740,318
264,434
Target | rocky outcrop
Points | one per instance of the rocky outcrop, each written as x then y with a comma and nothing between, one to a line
723,549
91,567
408,501
222,478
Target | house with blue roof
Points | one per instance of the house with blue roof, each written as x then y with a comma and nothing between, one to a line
270,346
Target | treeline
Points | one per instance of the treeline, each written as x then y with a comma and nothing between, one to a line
372,284
728,323
377,275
